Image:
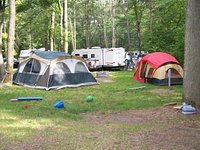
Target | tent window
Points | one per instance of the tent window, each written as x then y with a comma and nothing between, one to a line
143,70
174,73
149,75
80,67
33,66
61,68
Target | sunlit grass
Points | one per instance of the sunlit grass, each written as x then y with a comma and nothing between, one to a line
18,124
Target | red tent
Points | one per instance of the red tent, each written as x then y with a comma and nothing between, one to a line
151,63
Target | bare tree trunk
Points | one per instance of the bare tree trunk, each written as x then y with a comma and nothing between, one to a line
65,26
61,26
11,35
52,31
105,34
113,23
72,32
2,67
151,7
138,18
86,20
30,41
127,27
5,40
74,27
191,86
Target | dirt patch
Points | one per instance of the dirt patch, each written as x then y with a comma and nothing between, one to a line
105,80
167,128
162,128
162,91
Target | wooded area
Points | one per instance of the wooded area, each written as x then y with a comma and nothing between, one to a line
149,25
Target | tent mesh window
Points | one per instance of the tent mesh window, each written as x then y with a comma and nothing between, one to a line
33,66
174,73
143,70
151,70
61,68
80,67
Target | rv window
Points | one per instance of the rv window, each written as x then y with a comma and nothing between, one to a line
92,55
80,67
77,54
85,56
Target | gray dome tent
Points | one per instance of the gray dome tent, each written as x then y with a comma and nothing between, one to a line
53,70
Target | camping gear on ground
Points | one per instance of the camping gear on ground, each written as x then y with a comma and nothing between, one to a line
53,70
59,104
187,109
26,107
154,67
26,99
102,74
89,98
135,88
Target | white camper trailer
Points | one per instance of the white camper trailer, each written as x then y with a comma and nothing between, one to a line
97,57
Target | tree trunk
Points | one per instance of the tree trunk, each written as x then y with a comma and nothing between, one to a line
105,34
127,27
5,31
11,35
138,18
65,27
61,26
72,32
86,20
30,41
191,86
52,31
2,67
113,24
74,27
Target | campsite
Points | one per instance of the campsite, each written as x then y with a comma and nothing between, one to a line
117,118
99,75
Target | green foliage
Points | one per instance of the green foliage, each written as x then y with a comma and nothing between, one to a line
168,28
167,33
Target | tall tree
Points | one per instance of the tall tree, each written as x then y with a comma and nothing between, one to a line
65,26
113,23
61,25
138,11
191,85
126,10
74,35
11,36
87,24
2,10
52,31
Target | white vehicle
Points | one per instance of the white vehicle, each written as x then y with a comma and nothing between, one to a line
26,53
97,57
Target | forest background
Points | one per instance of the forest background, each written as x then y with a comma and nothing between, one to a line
147,25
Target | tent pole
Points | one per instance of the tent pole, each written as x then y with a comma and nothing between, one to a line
169,77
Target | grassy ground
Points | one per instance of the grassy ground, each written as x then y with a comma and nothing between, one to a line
41,126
